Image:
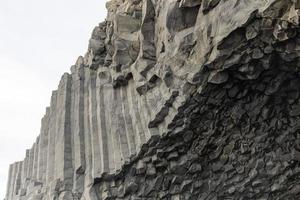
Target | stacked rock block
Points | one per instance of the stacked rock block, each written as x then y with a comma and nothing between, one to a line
177,99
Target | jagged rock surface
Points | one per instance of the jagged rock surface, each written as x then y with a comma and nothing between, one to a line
177,99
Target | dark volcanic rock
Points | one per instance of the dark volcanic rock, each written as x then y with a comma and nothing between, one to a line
175,100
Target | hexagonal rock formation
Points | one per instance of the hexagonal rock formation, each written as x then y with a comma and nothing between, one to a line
175,99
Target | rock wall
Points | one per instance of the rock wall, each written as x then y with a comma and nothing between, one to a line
177,99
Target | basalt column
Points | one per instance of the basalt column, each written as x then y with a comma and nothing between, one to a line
174,100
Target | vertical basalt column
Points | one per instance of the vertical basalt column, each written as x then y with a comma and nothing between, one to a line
13,179
51,139
105,114
43,147
24,170
127,116
121,131
9,181
143,109
77,126
87,129
109,110
17,184
30,162
35,159
115,131
96,154
63,141
102,80
136,118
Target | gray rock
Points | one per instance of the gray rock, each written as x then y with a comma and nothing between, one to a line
177,99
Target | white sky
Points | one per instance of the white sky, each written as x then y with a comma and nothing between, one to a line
39,41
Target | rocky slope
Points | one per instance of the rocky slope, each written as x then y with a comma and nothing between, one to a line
175,99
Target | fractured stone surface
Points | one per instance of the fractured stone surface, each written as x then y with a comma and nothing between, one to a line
175,99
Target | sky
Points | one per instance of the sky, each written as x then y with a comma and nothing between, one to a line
39,41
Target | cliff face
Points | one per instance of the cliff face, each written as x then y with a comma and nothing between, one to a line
175,99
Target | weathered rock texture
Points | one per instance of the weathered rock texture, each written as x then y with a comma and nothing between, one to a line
175,99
